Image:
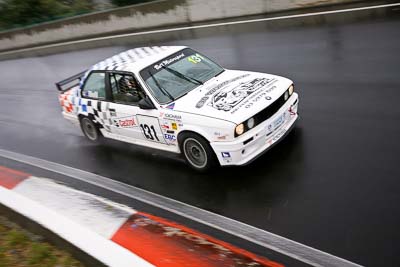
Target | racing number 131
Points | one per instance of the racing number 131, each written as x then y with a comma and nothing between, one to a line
149,132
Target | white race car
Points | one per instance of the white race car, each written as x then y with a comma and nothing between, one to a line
176,99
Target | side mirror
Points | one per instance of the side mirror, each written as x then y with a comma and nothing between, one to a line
145,103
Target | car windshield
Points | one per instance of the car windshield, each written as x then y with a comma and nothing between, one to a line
178,74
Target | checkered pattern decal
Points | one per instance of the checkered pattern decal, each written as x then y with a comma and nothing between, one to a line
68,99
120,61
72,103
101,113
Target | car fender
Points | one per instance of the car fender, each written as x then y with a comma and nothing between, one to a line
211,129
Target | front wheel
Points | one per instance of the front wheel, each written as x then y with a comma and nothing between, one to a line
90,130
197,152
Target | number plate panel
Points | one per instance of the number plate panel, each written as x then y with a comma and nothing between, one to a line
275,124
150,128
278,121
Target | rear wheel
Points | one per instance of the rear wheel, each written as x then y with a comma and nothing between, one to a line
197,152
90,130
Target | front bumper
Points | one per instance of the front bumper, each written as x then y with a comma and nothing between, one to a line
258,140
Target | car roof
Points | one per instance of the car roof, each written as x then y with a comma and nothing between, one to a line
136,59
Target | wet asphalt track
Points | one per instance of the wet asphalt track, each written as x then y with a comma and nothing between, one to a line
332,184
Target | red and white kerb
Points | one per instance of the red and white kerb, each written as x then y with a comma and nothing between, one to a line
151,240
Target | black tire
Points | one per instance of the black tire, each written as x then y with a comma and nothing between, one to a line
197,152
90,130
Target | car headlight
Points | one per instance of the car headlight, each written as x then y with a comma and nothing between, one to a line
239,129
250,123
286,95
291,89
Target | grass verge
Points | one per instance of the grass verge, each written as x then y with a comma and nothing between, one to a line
20,248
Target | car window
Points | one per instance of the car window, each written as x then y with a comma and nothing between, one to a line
95,86
178,74
125,88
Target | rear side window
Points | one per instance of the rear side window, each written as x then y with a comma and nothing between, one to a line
95,86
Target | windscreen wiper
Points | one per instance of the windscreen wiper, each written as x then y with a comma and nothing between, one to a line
164,91
219,72
183,76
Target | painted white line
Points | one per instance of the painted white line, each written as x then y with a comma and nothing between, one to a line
258,236
106,251
201,26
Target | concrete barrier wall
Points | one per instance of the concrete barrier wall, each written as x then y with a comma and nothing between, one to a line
140,17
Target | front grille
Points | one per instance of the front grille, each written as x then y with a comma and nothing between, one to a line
266,113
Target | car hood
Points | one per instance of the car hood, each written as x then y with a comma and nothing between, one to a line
233,95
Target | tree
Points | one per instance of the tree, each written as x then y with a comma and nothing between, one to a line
14,13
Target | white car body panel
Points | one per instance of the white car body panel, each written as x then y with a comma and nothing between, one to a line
237,153
226,96
212,110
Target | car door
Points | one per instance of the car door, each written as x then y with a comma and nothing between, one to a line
128,119
95,99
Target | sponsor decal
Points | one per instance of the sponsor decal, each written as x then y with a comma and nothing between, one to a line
84,108
170,137
213,90
195,58
126,123
165,126
172,117
168,61
254,98
223,137
220,136
202,102
170,106
226,155
226,100
174,126
170,132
